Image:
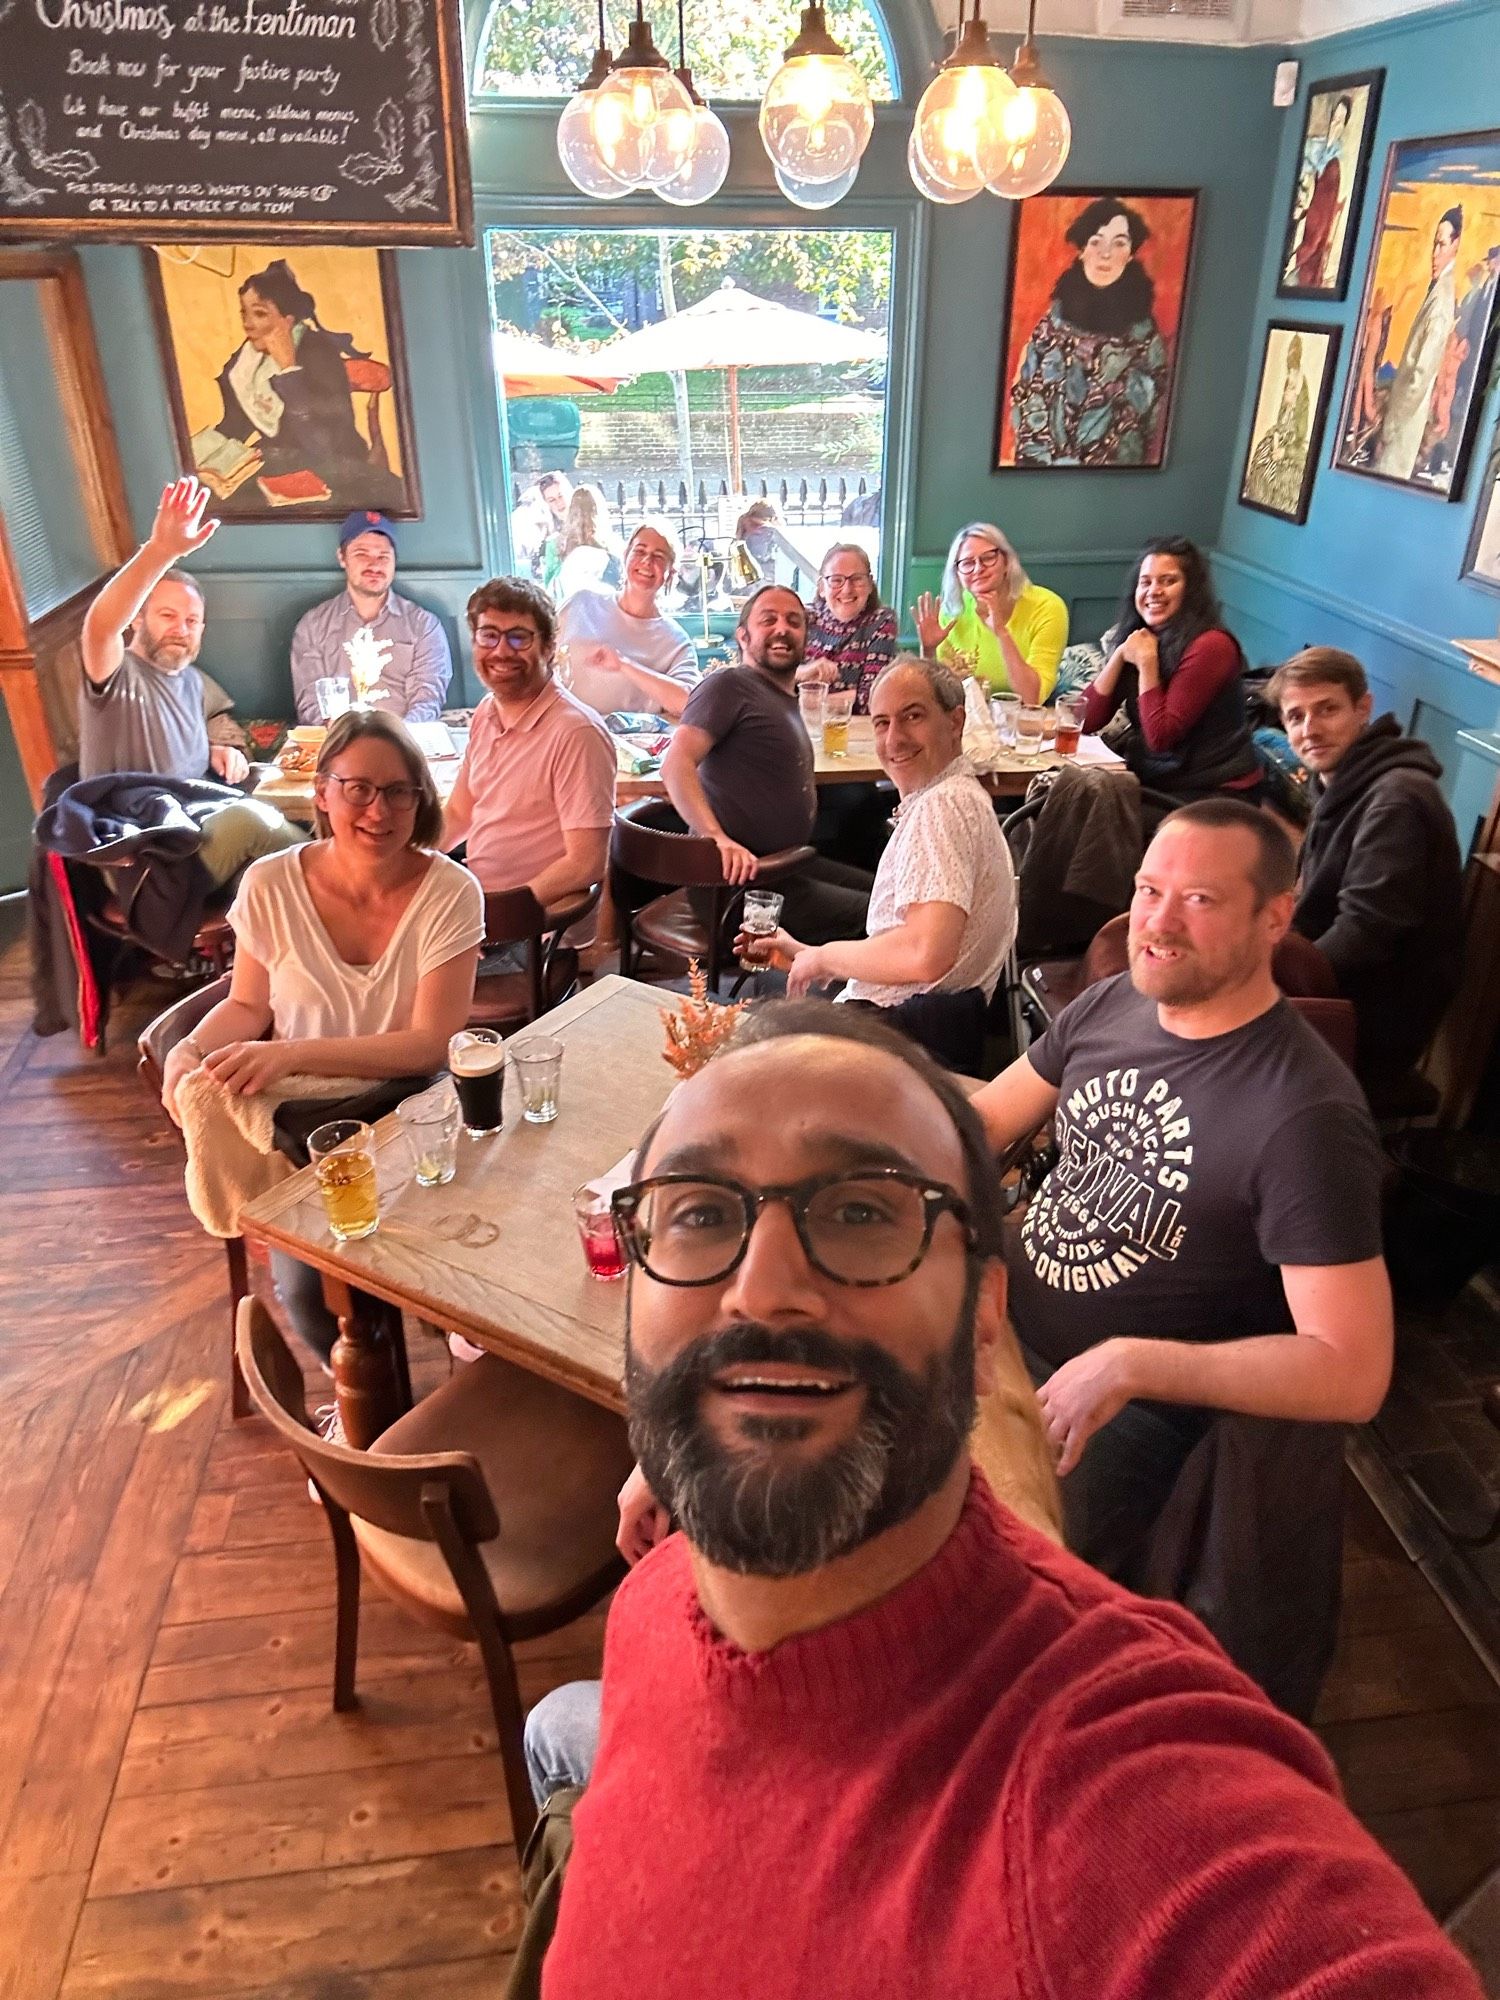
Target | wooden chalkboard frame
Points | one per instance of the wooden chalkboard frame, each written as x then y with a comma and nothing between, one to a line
454,226
261,514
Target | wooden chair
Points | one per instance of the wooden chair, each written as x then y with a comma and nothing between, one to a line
507,1000
644,854
488,1511
157,1041
370,379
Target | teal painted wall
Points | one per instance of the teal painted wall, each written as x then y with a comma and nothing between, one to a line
1374,569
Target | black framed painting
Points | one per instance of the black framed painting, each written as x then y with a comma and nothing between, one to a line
1291,408
1422,341
1094,311
1482,556
286,374
1338,133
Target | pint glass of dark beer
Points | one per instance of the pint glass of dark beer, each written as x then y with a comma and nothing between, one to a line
476,1059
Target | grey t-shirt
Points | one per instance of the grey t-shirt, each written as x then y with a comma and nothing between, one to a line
1190,1172
759,774
142,719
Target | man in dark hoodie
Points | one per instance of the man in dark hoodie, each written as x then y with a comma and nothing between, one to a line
1380,883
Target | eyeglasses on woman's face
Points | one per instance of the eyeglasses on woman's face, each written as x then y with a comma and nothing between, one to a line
866,1229
360,792
844,583
978,564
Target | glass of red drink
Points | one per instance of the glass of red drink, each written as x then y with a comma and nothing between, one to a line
596,1232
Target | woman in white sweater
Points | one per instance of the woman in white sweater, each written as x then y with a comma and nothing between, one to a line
357,951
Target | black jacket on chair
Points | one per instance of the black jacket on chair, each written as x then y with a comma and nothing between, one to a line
1380,893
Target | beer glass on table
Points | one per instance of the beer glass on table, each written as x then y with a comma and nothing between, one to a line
476,1061
838,706
760,918
1069,725
343,1157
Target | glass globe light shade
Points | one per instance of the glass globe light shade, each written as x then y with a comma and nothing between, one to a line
579,154
643,125
703,172
816,118
816,194
927,182
1038,133
959,127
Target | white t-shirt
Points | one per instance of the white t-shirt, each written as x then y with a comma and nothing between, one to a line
594,617
947,848
316,993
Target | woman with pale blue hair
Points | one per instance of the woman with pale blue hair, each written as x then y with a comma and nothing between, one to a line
992,620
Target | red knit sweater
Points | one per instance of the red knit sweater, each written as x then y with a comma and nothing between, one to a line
1008,1778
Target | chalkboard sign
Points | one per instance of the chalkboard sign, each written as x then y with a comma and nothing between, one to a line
163,120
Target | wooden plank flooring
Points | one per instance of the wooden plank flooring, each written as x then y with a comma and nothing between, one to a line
181,1813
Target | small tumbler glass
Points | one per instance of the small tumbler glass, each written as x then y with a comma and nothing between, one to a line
538,1063
1005,709
1031,722
430,1121
596,1231
812,698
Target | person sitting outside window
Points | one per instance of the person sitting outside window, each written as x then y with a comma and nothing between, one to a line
1178,673
357,952
929,1751
1380,880
993,621
623,651
535,795
148,707
739,769
851,635
584,551
943,909
1209,1239
538,515
417,665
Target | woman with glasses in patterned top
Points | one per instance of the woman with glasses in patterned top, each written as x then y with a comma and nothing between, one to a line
992,620
357,951
851,635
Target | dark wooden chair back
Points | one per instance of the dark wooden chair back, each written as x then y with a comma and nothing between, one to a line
507,1000
641,847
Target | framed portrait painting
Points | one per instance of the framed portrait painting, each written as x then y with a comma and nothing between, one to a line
286,374
1291,407
1482,557
1338,131
1093,327
1421,344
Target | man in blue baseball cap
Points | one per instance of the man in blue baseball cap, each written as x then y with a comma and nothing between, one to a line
415,665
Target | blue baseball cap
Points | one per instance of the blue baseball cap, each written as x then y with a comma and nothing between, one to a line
362,523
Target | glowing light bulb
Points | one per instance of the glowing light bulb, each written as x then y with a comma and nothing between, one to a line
816,116
703,171
958,134
1038,134
578,150
927,182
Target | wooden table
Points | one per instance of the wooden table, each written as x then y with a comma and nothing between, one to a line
495,1254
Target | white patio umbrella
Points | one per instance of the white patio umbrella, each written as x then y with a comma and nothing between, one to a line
733,329
532,368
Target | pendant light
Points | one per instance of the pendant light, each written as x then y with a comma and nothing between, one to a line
816,116
1038,130
576,146
816,194
706,165
642,117
958,137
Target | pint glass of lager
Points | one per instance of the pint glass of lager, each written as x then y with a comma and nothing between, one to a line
476,1059
343,1153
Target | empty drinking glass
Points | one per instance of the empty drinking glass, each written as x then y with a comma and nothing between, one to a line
538,1064
1004,708
430,1121
811,697
333,694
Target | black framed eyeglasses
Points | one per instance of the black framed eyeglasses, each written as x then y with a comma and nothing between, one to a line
515,638
966,564
864,1229
359,793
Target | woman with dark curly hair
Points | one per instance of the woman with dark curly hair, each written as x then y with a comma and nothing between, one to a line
1092,382
287,389
1178,673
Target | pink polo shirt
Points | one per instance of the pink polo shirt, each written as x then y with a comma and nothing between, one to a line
551,772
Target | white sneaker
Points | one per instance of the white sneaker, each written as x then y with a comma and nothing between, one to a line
464,1350
330,1428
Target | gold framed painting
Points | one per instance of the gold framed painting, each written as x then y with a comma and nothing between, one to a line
1291,407
286,375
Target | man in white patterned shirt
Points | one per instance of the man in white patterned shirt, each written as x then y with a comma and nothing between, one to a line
417,664
943,909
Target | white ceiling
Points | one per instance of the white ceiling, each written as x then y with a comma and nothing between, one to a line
1251,21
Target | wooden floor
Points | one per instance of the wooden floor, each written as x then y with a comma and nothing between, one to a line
181,1813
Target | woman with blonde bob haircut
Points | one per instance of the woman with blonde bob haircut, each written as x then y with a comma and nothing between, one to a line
993,621
355,953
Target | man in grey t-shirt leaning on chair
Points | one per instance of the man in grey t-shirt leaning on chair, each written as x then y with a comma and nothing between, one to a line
145,705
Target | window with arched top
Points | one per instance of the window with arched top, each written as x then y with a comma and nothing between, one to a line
542,48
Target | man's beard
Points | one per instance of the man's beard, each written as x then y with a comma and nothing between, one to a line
760,1511
170,657
1189,979
779,669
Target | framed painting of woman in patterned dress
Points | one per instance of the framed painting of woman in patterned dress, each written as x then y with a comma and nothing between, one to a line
1286,429
1093,326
